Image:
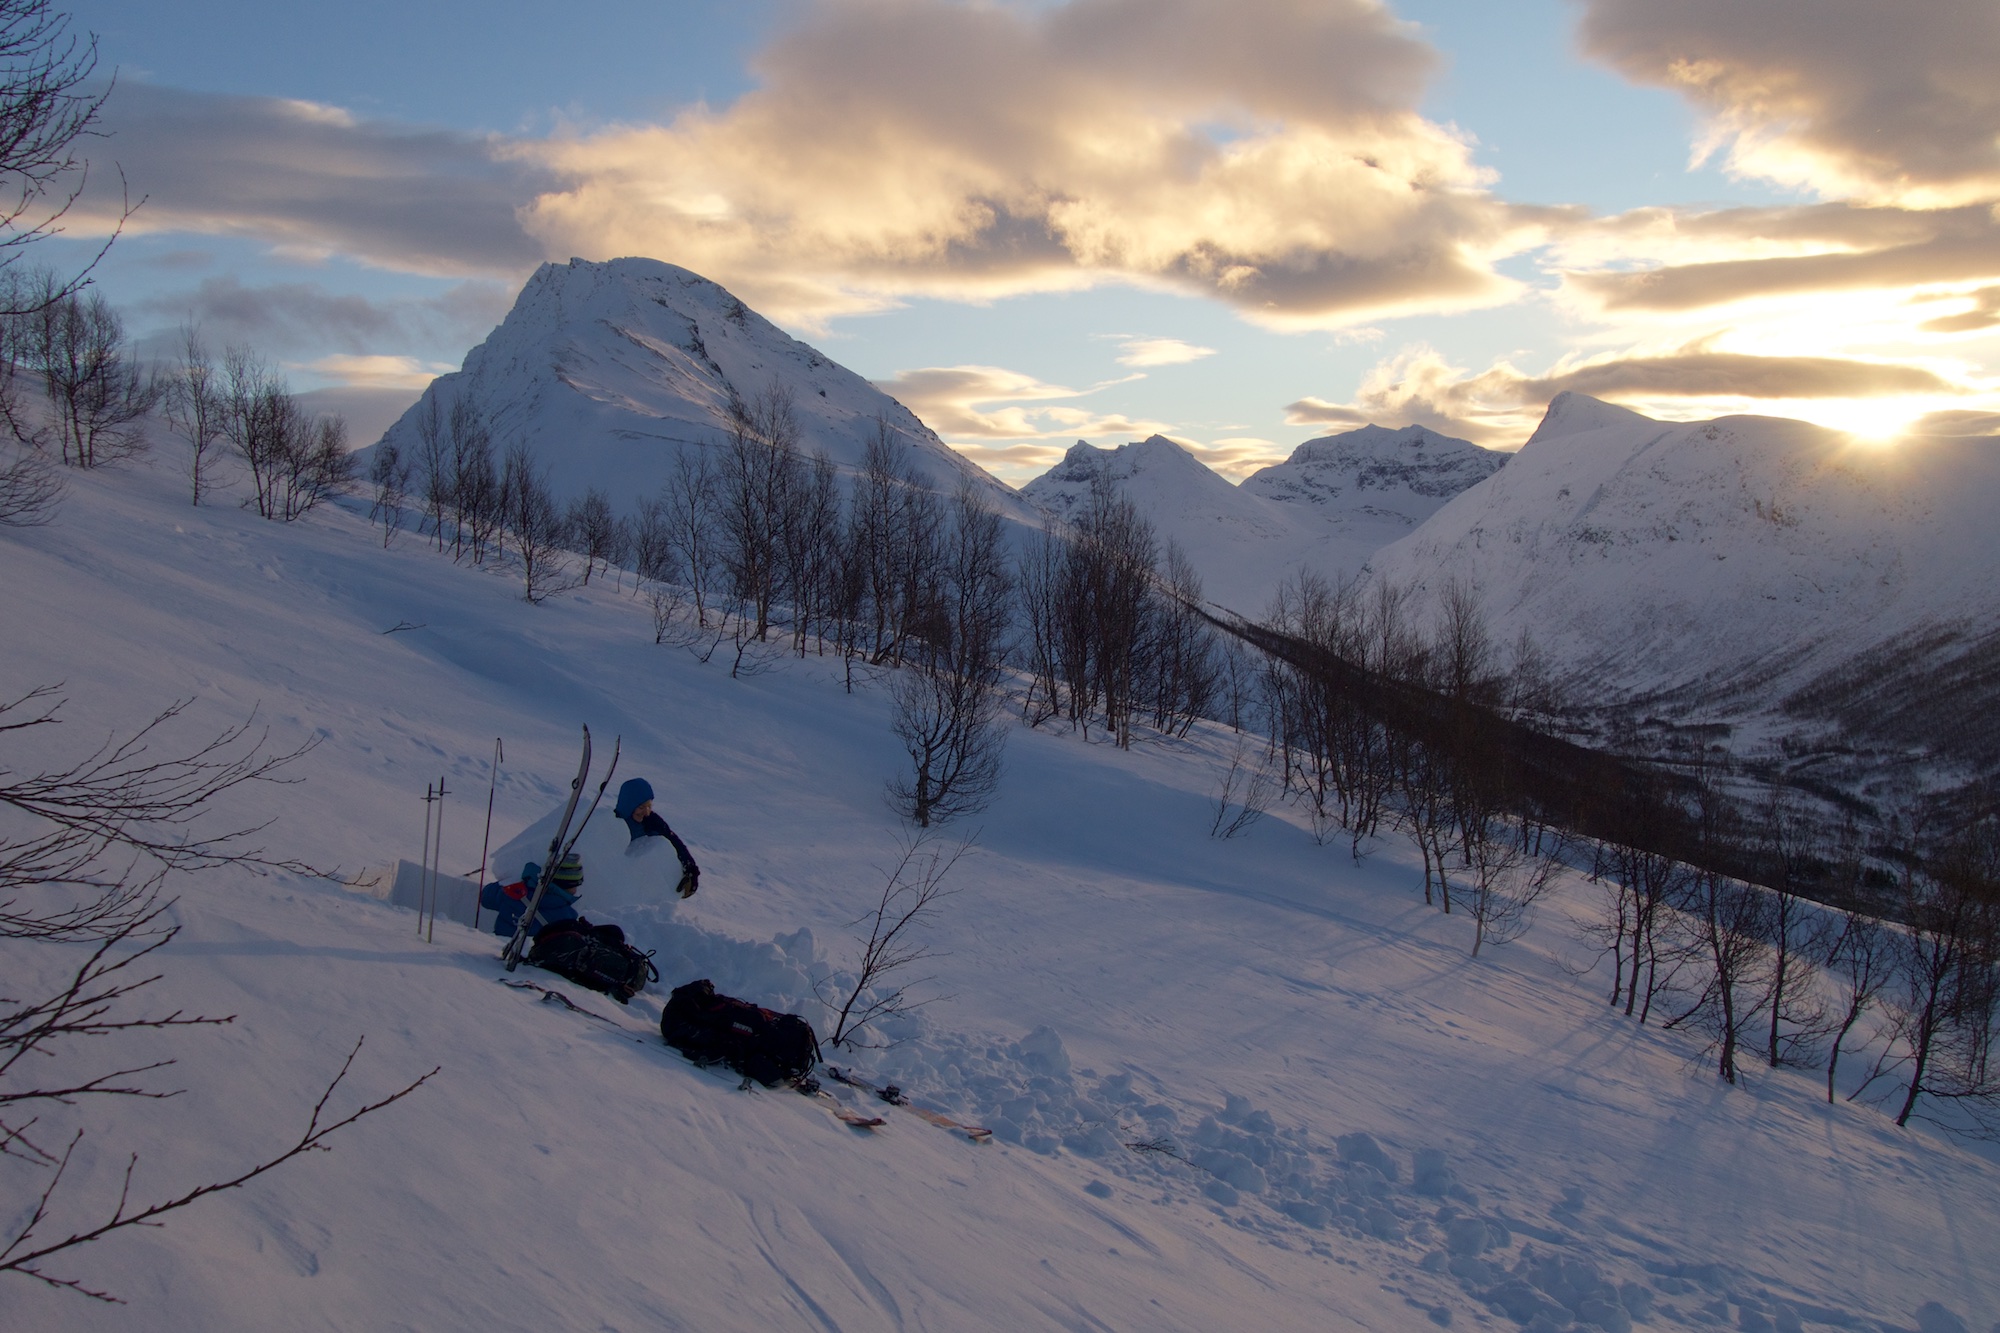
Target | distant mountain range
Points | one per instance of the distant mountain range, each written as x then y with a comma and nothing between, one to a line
1329,507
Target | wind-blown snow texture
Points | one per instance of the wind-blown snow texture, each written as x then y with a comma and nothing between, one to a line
1370,1131
1716,569
608,371
1328,507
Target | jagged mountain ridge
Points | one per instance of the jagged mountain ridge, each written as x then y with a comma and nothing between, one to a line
1736,572
608,371
1328,507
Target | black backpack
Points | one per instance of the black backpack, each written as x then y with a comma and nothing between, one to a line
593,956
712,1029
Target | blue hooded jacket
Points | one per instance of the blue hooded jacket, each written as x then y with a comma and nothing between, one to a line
636,792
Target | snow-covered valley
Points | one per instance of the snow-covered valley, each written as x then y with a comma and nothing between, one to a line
1368,1128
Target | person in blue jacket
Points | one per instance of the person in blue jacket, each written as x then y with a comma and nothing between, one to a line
635,807
508,901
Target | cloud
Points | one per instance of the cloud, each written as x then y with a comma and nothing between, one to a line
1959,424
1703,374
402,374
1264,152
1268,153
315,181
1501,403
1830,249
1159,351
1853,99
305,317
966,403
1238,456
1015,464
368,411
1983,313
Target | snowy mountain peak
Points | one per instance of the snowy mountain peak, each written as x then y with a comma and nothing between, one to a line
1155,473
1405,472
609,371
1572,413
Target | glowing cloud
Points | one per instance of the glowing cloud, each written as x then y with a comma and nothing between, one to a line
1264,152
1160,352
376,372
973,403
1501,404
1852,98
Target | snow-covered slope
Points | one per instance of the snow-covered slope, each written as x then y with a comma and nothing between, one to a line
607,371
1717,569
1327,508
1369,1131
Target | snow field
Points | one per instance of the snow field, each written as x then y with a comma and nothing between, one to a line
1352,1125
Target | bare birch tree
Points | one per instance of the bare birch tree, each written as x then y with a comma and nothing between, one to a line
880,987
195,408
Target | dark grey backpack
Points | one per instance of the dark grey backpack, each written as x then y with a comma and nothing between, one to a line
594,956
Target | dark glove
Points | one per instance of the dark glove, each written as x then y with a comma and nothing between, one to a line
690,881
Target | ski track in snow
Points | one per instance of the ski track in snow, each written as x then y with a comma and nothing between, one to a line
1355,1126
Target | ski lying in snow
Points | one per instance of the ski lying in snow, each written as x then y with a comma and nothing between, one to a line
557,997
808,1087
847,1115
518,946
894,1096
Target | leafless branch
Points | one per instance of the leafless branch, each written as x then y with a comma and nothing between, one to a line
1247,787
914,888
23,1255
122,799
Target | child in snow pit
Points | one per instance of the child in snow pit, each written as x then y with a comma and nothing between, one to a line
508,901
635,807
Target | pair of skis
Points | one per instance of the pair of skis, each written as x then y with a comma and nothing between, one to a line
895,1097
558,849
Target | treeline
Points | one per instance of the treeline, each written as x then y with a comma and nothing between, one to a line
753,539
1745,920
73,393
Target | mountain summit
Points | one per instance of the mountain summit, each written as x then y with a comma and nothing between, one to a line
608,371
1397,477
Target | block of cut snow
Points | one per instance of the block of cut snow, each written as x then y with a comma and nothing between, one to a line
455,897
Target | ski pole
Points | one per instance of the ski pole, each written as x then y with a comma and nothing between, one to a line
437,865
424,866
487,838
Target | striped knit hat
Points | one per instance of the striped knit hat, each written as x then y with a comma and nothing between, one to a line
569,873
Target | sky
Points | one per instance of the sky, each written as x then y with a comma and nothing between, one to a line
1239,224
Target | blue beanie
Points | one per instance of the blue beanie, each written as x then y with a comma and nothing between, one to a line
635,793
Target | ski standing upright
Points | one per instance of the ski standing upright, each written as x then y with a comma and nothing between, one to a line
518,946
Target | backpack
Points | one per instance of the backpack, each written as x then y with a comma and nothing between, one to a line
594,956
709,1029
